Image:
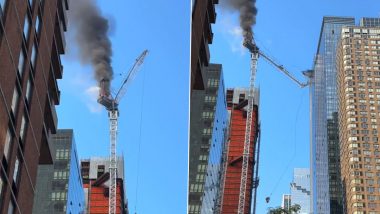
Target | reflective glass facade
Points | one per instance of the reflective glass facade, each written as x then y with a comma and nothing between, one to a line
325,164
212,191
300,189
208,121
59,186
75,193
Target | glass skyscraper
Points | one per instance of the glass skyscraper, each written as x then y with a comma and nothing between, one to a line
208,123
300,189
211,200
59,186
326,188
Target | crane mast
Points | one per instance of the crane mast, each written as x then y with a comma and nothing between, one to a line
111,104
248,126
113,117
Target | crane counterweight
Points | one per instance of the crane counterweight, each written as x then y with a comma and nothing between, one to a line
105,99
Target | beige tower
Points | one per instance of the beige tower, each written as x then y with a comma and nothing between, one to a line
358,64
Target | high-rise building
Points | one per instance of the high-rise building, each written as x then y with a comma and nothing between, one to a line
286,201
203,15
31,41
300,189
95,174
326,187
208,127
59,187
237,101
358,64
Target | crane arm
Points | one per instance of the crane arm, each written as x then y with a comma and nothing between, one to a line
252,47
282,69
131,74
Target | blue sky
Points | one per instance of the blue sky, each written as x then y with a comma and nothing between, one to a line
156,101
288,31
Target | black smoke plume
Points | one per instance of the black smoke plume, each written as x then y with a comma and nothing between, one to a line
92,37
248,12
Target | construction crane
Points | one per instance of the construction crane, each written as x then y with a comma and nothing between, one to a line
111,104
255,53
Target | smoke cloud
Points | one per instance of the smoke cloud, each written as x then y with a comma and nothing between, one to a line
93,42
248,12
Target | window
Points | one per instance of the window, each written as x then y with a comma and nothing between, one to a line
28,90
21,62
38,21
26,27
207,131
202,168
210,99
34,55
356,181
357,204
200,178
1,186
370,181
16,170
196,188
23,127
372,197
15,100
357,197
372,205
11,207
66,154
7,144
353,159
100,170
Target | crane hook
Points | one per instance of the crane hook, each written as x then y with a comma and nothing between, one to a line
267,199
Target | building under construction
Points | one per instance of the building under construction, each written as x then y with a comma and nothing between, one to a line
237,101
95,174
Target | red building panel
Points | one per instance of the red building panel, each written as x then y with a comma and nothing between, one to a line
235,152
98,198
